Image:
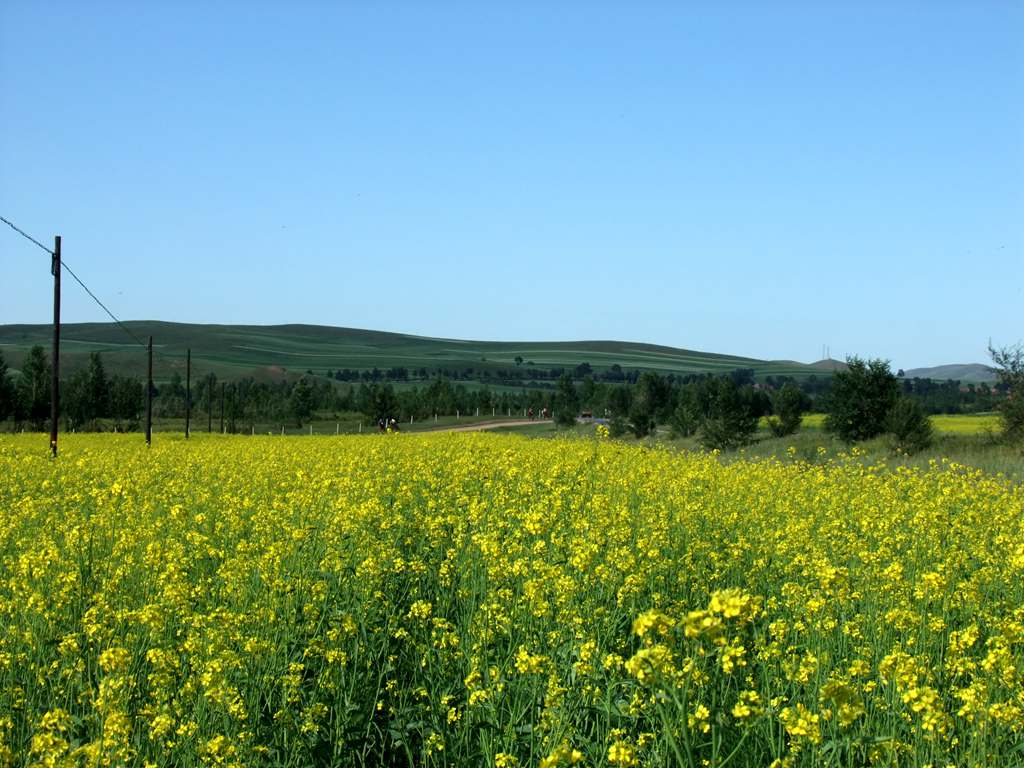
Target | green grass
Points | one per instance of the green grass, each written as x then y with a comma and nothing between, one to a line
232,351
959,424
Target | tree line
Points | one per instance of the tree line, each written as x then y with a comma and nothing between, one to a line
722,411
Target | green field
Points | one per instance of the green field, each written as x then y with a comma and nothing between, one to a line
958,424
234,351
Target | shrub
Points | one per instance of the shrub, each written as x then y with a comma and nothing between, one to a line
566,402
1010,370
909,426
861,398
685,419
732,417
641,420
618,426
788,406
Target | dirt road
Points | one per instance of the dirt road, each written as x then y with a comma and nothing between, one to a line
481,425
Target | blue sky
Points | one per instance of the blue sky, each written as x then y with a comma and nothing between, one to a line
741,177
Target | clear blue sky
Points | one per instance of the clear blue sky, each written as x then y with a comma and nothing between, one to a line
742,177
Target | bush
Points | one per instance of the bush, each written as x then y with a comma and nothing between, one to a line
618,426
788,405
1010,370
732,417
566,403
909,426
861,398
686,416
641,420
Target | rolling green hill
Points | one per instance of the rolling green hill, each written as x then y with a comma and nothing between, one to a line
233,351
968,373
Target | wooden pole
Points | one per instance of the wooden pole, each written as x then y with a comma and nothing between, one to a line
222,407
188,390
55,384
149,392
209,403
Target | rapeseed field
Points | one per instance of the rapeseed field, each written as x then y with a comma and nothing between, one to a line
485,600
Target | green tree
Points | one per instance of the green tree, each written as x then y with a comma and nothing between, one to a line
98,387
74,403
33,387
686,417
909,426
126,402
7,393
860,399
788,406
566,402
1010,372
618,401
86,395
588,393
300,402
650,403
731,417
641,420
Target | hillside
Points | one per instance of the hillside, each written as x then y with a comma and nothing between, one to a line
232,351
967,373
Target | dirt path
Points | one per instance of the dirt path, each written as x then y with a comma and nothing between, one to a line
481,425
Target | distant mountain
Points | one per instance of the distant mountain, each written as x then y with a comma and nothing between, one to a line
968,373
233,351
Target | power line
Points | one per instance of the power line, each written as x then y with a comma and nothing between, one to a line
78,280
102,305
26,236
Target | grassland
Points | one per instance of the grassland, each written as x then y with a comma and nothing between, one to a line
487,600
958,424
232,351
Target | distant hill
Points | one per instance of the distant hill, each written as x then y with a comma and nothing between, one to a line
233,351
830,365
967,373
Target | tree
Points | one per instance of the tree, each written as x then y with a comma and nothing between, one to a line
618,401
74,400
1010,372
86,396
860,399
650,403
687,416
126,402
731,417
909,425
7,393
300,403
788,406
641,420
34,387
588,393
566,403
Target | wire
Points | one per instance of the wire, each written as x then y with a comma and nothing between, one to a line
78,280
26,236
102,305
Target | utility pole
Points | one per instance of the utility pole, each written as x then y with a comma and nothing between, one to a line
149,393
209,403
222,407
188,389
55,385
